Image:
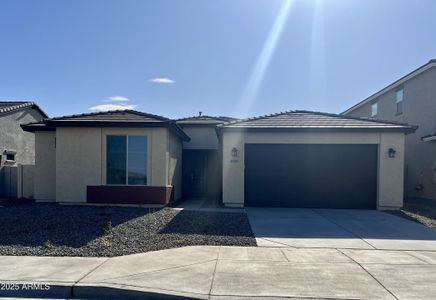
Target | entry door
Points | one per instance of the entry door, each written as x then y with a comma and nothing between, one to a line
194,173
323,176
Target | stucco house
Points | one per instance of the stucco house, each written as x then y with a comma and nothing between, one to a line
126,157
16,145
410,99
290,159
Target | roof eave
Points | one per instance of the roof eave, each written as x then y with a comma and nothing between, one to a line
406,130
36,127
429,138
50,125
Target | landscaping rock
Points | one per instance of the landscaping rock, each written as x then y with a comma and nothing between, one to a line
74,230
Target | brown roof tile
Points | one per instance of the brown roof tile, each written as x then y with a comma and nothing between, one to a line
307,120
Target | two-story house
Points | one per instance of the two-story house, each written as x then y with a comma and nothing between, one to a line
16,146
410,99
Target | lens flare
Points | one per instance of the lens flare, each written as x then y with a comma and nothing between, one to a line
252,87
317,76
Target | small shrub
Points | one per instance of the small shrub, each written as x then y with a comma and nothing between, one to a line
106,242
107,228
48,244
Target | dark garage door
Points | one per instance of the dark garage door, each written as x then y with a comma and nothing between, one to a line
315,175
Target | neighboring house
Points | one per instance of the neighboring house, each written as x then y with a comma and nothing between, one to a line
293,159
16,146
411,99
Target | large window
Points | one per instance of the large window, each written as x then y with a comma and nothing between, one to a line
374,110
126,161
399,101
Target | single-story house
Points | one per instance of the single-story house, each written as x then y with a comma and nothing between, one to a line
289,159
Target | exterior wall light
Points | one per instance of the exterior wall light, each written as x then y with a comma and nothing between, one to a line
234,152
391,152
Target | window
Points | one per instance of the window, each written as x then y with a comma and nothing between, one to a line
399,101
10,156
126,161
374,110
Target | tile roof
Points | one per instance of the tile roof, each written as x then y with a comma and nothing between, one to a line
115,118
204,120
9,106
309,120
112,116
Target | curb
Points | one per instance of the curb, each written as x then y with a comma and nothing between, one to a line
94,291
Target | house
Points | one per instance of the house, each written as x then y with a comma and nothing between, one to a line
125,157
293,159
16,146
410,99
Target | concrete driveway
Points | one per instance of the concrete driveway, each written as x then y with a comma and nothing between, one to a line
330,228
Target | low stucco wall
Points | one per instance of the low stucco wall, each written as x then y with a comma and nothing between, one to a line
390,170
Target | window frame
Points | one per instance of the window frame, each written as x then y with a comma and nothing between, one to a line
14,157
375,104
399,103
127,160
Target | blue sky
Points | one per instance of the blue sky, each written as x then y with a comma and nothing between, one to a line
221,57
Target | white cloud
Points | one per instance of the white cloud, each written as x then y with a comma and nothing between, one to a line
107,107
162,80
117,99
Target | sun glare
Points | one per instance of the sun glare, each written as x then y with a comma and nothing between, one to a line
255,80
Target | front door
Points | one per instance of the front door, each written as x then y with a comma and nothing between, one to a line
194,173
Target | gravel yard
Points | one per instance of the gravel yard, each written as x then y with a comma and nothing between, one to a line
419,210
74,230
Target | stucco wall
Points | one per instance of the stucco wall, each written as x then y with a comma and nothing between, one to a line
419,108
175,165
202,137
391,171
81,159
390,180
13,138
78,162
45,166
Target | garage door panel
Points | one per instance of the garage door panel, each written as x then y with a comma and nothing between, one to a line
331,176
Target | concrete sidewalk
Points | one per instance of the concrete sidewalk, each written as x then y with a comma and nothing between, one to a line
206,272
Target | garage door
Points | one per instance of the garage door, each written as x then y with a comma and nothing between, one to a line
302,175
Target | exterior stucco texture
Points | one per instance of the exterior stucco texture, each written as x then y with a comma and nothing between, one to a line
389,170
419,108
69,159
14,139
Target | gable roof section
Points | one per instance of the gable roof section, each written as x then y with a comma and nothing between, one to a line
421,69
115,118
204,120
11,106
301,120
